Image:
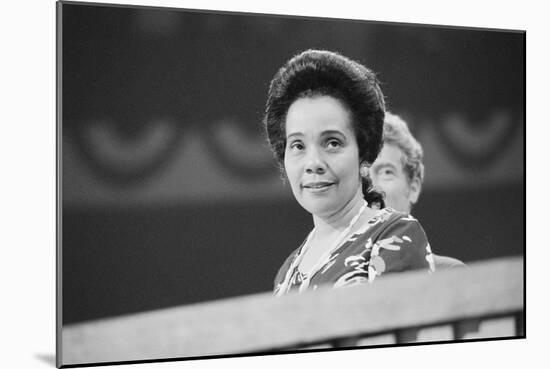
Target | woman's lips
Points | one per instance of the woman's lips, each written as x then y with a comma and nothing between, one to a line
317,186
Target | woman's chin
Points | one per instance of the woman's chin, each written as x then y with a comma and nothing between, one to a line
323,206
318,208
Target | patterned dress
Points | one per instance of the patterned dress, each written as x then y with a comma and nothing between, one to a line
390,241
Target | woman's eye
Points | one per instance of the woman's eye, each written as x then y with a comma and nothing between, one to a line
334,144
296,146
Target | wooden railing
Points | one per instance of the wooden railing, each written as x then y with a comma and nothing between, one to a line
484,300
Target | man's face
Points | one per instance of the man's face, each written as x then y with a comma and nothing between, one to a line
388,174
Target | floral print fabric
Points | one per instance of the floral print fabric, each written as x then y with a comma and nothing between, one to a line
389,242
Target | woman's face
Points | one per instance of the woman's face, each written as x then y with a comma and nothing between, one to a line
321,155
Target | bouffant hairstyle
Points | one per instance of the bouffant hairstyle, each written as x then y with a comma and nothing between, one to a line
396,132
326,73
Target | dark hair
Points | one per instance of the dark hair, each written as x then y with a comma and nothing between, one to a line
320,72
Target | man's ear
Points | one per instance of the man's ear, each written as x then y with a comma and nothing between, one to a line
414,190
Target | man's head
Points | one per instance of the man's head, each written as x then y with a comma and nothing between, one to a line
398,170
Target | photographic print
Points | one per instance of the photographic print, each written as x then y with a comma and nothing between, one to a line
245,184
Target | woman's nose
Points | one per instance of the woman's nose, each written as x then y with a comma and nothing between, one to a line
315,163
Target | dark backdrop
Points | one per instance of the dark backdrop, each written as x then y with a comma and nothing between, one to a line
137,235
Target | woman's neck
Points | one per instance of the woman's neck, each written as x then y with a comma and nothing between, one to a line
325,226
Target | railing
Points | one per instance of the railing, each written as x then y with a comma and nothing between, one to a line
484,300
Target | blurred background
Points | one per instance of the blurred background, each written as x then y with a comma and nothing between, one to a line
170,194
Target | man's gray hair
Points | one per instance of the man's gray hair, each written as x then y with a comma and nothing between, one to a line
396,132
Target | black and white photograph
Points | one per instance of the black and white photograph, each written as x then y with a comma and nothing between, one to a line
258,186
235,183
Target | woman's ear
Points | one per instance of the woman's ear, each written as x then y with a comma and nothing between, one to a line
364,169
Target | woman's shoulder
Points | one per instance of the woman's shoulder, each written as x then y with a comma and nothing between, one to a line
286,266
390,218
391,213
396,222
397,242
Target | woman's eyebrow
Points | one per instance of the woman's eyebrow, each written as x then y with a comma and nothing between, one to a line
295,134
331,132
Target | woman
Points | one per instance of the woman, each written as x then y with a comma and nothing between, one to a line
324,119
